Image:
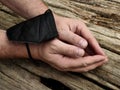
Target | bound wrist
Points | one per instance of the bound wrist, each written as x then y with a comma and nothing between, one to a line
35,51
11,49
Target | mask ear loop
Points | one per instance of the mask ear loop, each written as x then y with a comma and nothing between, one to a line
30,56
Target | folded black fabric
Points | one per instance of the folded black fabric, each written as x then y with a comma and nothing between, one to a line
36,30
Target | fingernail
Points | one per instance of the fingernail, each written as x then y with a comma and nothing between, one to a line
83,43
80,52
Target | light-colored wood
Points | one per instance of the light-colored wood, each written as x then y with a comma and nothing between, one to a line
13,77
102,18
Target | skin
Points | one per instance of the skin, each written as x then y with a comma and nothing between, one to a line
75,49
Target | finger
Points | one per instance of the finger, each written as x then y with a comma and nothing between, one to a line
90,38
70,50
70,63
85,61
88,68
73,38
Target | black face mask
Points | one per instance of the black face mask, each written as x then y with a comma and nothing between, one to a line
36,30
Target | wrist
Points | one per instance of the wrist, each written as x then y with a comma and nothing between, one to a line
10,49
35,10
14,50
26,8
34,50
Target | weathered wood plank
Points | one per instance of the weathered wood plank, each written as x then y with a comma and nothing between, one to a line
70,80
13,77
74,82
100,12
103,19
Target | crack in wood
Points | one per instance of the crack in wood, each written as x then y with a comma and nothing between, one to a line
53,84
107,76
15,80
49,82
116,1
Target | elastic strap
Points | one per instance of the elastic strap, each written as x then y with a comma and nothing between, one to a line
29,54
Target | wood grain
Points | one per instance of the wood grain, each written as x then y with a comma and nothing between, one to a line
103,19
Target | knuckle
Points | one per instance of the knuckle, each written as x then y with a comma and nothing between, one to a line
71,50
53,42
75,39
53,45
75,52
62,33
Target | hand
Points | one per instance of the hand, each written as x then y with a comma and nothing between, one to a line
76,33
65,57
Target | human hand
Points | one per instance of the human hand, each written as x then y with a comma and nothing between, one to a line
80,53
76,33
65,57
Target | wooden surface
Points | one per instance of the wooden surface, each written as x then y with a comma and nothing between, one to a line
102,18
